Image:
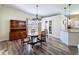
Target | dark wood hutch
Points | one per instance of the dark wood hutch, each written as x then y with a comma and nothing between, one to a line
18,30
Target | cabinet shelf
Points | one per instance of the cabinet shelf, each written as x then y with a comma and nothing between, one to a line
18,29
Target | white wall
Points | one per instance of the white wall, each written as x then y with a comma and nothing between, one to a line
0,5
57,24
7,14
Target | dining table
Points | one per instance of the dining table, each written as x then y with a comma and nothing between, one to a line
33,39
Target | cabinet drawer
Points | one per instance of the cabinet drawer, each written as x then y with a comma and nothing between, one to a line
14,35
22,34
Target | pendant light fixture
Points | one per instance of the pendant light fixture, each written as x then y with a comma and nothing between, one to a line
69,19
67,15
65,21
37,16
69,10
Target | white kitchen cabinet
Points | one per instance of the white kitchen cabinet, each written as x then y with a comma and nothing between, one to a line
70,38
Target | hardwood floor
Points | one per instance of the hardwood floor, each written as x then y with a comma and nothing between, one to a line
51,47
3,48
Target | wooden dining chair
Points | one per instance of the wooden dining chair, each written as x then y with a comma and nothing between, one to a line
24,42
42,37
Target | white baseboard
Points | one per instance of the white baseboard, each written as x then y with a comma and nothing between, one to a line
54,36
3,38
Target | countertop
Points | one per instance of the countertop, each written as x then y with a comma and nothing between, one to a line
71,30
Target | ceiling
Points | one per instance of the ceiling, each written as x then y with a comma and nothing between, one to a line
47,9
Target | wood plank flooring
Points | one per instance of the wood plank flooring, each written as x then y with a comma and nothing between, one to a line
4,48
51,47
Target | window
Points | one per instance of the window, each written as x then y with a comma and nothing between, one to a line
32,27
50,27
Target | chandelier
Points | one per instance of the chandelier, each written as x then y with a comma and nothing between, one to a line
37,16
